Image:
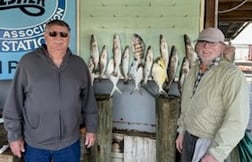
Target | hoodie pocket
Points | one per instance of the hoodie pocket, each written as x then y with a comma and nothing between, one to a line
42,128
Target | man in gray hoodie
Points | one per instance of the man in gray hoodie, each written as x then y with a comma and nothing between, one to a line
50,97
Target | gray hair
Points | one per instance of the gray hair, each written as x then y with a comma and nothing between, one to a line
59,23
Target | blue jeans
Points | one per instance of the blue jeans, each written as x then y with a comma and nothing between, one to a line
67,154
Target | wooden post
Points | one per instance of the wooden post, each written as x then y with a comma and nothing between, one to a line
167,112
101,151
211,13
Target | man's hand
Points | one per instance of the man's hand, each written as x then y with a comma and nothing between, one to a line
90,139
17,147
179,142
208,158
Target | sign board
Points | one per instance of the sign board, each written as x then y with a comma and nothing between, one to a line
22,27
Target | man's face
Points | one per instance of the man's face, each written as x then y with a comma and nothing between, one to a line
57,38
208,51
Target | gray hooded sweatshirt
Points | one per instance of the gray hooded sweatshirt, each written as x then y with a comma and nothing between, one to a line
46,105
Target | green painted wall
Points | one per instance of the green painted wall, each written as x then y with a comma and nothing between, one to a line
149,19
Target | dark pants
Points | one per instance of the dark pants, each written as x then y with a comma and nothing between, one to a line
189,143
68,154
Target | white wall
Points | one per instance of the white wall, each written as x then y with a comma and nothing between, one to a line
245,37
242,42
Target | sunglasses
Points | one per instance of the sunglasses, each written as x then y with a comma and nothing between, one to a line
61,34
203,43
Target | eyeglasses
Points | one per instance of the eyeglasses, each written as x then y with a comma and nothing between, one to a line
61,34
203,43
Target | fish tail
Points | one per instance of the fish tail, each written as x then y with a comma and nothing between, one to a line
133,91
136,89
161,91
115,88
145,81
118,90
101,76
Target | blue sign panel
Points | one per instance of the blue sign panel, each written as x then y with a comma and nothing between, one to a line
22,28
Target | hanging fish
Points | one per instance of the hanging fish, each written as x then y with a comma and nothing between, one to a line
164,49
103,61
184,70
148,64
112,77
137,77
117,53
189,50
159,73
138,47
133,67
125,64
91,68
172,66
94,51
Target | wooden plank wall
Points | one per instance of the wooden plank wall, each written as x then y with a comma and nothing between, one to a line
139,149
149,19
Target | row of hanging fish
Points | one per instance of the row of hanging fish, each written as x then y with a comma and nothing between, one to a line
143,67
188,61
